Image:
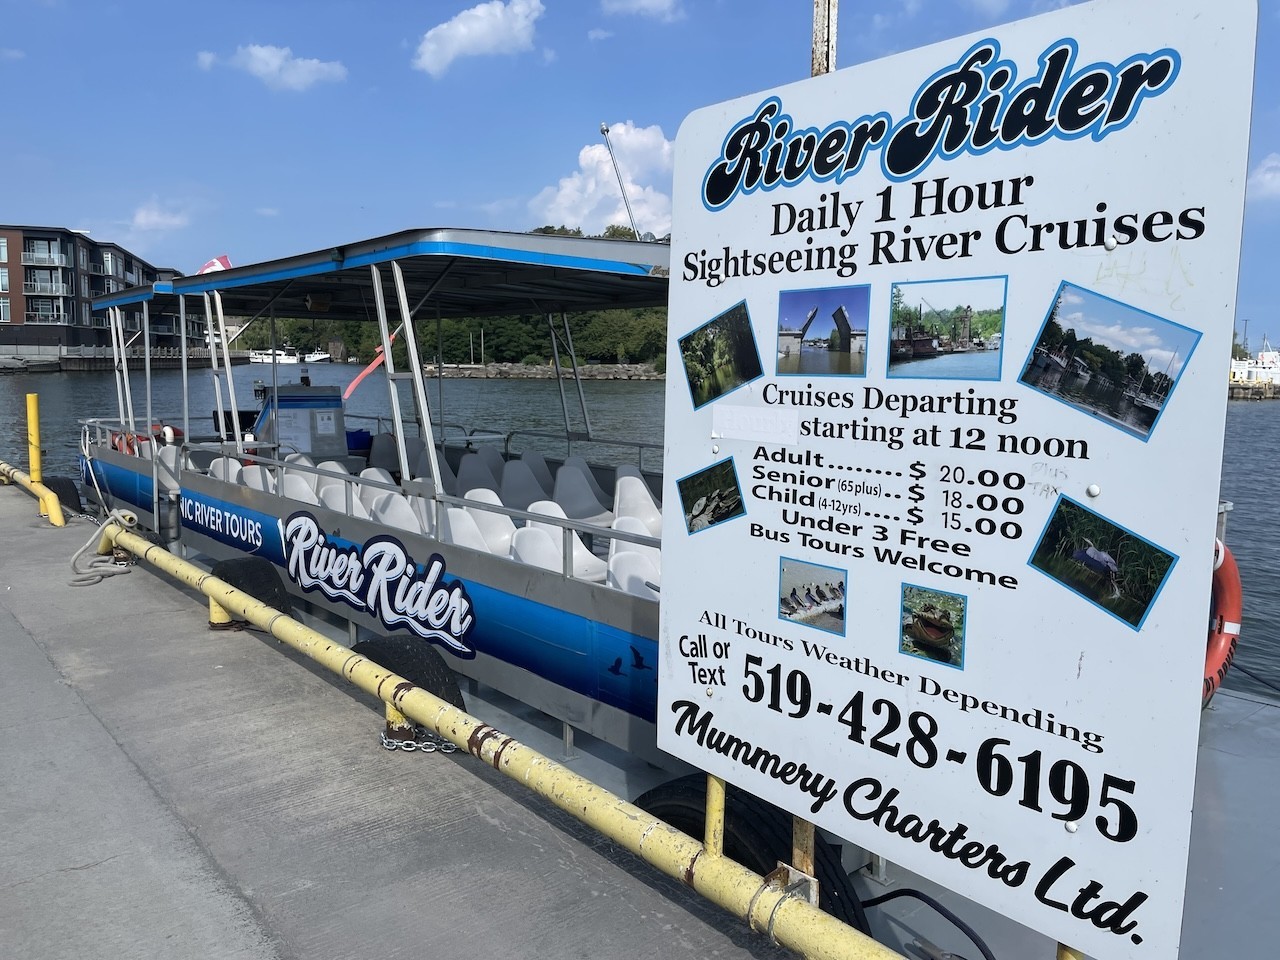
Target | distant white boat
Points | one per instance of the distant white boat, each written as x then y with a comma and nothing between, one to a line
285,355
318,356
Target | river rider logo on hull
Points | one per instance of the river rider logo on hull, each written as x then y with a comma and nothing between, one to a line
380,578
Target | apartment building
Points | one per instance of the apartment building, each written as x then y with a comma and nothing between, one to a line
48,275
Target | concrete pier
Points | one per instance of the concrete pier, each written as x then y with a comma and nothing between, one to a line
162,799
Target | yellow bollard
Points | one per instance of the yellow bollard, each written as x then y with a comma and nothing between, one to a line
33,437
713,837
1066,953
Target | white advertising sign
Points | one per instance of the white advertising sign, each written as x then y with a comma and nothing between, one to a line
949,343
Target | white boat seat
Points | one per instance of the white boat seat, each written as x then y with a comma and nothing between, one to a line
492,458
474,472
225,468
394,510
333,473
634,525
586,565
295,487
461,530
538,464
520,486
170,470
535,547
146,448
632,499
258,477
368,492
592,482
424,510
299,458
632,573
496,528
335,498
632,470
573,493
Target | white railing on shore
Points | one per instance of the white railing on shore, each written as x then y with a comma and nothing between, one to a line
137,353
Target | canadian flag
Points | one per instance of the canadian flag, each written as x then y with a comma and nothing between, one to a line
217,263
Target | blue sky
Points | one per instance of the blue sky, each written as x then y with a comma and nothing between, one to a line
263,129
1166,346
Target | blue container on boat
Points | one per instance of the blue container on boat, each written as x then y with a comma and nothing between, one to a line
359,441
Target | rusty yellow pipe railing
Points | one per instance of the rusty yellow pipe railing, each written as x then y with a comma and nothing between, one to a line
50,505
766,907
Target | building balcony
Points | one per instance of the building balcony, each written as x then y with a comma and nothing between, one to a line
47,318
44,259
47,289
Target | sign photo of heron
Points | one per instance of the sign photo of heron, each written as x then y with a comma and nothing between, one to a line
721,355
1108,359
947,329
811,594
933,625
823,331
1111,567
711,496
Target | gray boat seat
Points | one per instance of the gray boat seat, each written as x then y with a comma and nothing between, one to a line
170,470
496,528
382,453
422,471
474,472
631,498
333,473
604,498
538,464
461,530
225,468
413,448
520,486
574,494
492,458
146,448
586,565
535,547
632,573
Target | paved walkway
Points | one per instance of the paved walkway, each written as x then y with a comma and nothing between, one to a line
168,792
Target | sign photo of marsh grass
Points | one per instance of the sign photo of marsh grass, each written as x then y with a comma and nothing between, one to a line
720,356
1111,567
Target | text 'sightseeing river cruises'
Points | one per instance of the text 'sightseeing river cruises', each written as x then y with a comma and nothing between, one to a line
944,424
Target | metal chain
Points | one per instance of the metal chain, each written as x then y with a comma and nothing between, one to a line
424,741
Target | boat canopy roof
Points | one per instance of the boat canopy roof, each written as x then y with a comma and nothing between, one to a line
448,272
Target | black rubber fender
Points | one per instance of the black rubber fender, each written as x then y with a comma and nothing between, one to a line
258,577
756,835
417,661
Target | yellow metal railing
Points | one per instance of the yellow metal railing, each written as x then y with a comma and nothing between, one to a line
766,905
50,505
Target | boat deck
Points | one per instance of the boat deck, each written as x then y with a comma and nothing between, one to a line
173,791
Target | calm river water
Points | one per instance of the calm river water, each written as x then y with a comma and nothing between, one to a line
634,410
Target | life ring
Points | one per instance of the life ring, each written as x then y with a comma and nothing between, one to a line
125,443
1226,605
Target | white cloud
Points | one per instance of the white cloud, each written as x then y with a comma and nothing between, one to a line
487,28
991,8
267,211
279,69
1264,179
589,197
9,53
598,34
154,216
666,10
205,59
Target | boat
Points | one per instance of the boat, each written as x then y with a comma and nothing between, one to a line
318,356
541,619
286,354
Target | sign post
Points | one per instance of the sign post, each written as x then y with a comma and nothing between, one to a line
944,428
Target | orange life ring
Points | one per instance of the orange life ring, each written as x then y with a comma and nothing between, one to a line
125,443
1226,605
